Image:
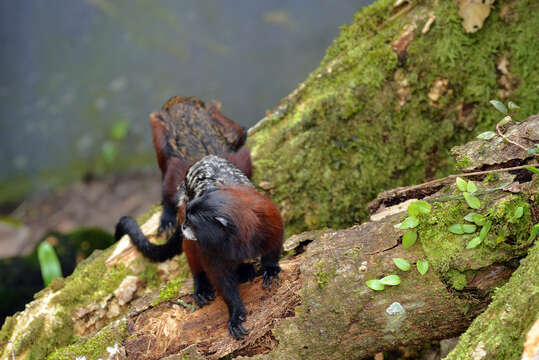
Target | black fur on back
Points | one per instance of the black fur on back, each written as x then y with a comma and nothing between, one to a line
203,176
207,173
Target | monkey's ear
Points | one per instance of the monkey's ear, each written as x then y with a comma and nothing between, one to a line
222,221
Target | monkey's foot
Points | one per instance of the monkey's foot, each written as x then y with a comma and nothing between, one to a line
204,292
168,222
246,273
271,273
235,327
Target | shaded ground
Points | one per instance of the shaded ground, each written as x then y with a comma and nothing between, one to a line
96,202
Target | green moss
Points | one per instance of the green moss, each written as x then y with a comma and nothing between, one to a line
150,276
95,346
170,290
501,329
447,251
7,328
146,216
91,281
464,162
457,279
349,137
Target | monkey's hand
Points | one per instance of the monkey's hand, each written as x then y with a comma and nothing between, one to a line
271,273
168,221
235,327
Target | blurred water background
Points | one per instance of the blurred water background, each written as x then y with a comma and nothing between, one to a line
80,77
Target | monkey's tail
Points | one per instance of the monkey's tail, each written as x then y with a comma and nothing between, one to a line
173,246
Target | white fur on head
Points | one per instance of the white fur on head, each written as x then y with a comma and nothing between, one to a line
188,233
222,220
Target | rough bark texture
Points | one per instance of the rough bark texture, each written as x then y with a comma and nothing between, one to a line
322,309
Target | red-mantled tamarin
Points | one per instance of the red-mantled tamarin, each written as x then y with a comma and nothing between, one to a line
225,221
183,132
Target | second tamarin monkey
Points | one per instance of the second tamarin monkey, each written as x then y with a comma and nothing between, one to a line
225,221
183,132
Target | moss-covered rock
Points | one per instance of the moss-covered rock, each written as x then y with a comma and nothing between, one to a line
364,122
499,332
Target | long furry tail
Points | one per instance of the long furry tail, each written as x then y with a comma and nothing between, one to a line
173,246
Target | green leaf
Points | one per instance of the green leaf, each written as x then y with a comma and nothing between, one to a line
531,168
48,261
499,106
505,120
402,264
484,230
408,239
418,207
533,151
472,201
487,135
519,211
512,106
461,184
534,232
409,223
476,218
422,266
391,280
119,130
375,284
109,151
470,187
469,228
474,242
456,229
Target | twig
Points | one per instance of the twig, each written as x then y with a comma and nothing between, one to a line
432,182
499,130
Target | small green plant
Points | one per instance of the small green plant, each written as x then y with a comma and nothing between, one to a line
409,223
402,264
375,284
48,262
460,229
408,239
422,266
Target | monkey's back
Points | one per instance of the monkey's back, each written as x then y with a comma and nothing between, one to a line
192,132
210,171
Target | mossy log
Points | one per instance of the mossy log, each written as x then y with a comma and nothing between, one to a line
398,88
386,104
322,308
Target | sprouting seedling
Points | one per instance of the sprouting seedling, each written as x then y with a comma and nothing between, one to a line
468,188
505,110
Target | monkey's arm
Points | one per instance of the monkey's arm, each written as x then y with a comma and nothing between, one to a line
176,170
173,246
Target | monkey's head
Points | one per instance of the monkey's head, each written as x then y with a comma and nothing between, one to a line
207,221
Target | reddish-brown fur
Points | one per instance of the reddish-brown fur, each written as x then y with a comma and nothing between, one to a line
256,218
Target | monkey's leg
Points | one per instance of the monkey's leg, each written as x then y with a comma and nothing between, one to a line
176,170
245,272
203,290
270,269
229,290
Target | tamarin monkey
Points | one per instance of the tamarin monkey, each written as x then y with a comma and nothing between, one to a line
225,221
183,132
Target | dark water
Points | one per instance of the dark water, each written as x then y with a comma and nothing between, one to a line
71,70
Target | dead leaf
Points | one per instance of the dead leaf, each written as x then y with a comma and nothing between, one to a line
438,88
474,13
428,24
406,36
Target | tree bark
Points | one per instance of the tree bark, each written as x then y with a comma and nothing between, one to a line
322,308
